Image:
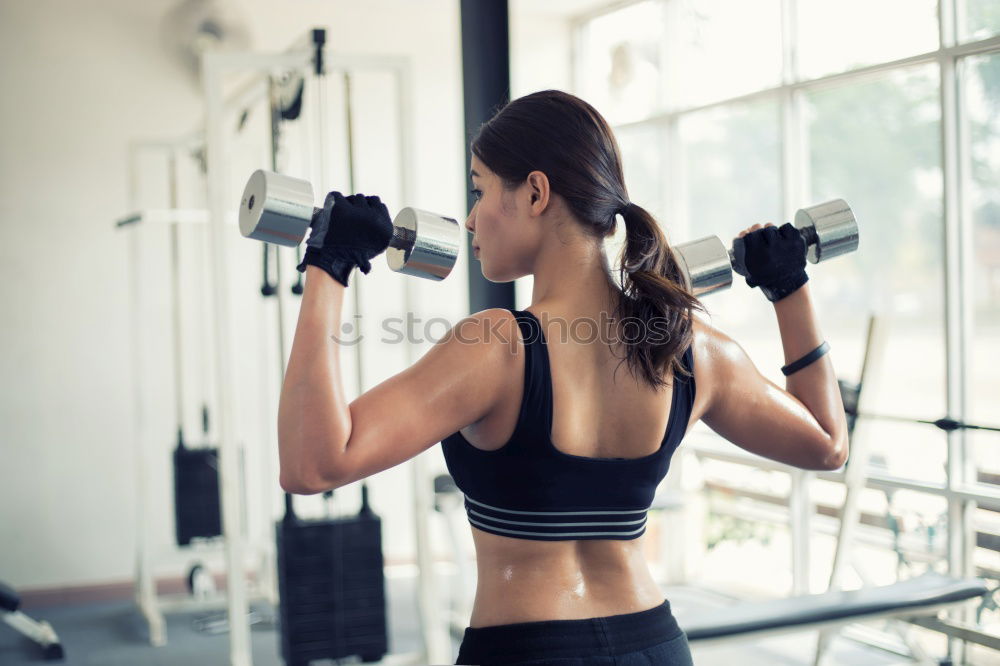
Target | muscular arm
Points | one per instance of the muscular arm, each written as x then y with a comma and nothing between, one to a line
815,385
324,442
314,420
803,424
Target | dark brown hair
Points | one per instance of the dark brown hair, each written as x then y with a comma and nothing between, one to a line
567,139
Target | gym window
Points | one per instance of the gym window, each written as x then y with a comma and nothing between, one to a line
735,113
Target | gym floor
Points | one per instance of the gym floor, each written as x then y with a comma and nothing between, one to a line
114,634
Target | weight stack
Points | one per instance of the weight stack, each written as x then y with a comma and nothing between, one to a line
196,494
332,587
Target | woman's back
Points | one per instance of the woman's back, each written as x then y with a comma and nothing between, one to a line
599,410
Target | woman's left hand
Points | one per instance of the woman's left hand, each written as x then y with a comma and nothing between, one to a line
772,258
347,232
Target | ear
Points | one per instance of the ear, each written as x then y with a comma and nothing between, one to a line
538,192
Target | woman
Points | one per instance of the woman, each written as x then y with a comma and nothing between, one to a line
557,449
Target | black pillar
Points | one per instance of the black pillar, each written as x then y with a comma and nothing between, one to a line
486,83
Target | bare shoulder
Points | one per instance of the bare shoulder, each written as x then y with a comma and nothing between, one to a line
486,343
487,339
489,330
708,343
457,383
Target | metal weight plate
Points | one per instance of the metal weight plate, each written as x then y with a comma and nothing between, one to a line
423,244
836,229
705,264
276,208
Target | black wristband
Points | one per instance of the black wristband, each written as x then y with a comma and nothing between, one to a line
795,366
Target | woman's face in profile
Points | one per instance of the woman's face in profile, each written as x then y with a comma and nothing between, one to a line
506,238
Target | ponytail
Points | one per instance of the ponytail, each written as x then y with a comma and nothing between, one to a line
653,293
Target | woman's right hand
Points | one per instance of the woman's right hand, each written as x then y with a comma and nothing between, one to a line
772,258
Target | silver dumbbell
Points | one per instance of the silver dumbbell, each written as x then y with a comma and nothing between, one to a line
278,209
829,230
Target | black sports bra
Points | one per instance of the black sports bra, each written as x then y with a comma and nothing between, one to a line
528,489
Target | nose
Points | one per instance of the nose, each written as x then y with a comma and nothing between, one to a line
470,221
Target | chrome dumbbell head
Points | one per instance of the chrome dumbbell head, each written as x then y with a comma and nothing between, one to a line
278,209
423,244
830,230
705,265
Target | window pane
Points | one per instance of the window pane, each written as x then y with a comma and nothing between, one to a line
986,557
724,49
876,144
982,19
730,179
619,68
837,36
981,85
746,529
901,534
914,535
642,148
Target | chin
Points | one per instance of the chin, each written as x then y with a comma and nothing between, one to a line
500,274
498,279
494,280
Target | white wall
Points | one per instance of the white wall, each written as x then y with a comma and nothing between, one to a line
80,80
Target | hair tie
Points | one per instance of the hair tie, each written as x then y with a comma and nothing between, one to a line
626,209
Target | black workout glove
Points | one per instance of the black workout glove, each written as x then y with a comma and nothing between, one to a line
772,258
347,232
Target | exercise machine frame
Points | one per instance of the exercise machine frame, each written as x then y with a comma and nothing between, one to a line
309,54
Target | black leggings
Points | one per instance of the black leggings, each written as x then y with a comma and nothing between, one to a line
634,639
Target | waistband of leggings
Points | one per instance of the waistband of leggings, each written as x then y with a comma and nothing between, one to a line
609,635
